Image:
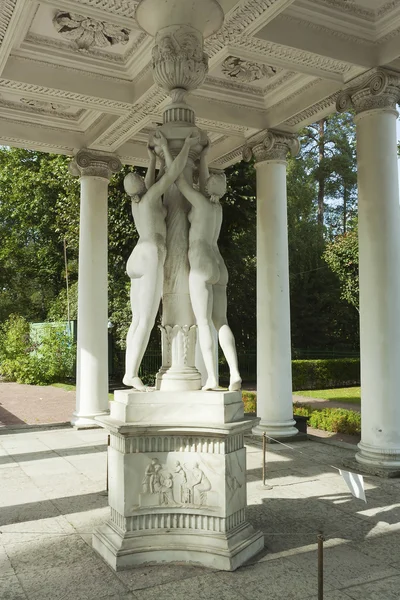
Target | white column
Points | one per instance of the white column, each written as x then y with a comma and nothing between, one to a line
379,266
95,170
274,367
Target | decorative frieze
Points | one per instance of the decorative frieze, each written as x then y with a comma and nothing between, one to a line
149,444
176,520
379,89
271,145
95,164
85,32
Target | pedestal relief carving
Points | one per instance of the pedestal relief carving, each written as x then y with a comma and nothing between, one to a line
272,145
86,32
379,89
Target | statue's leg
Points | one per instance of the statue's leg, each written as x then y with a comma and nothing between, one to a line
201,295
134,295
225,335
145,302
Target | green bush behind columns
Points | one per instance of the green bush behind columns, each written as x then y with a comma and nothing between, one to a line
325,373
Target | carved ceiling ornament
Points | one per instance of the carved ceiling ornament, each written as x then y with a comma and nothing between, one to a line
42,105
380,89
178,58
271,145
246,71
86,32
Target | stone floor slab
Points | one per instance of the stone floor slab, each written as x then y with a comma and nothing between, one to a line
11,589
208,587
383,589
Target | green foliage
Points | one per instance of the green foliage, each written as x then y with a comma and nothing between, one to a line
302,410
249,401
325,373
342,257
39,363
338,420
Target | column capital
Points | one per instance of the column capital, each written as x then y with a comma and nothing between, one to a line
271,145
93,163
377,89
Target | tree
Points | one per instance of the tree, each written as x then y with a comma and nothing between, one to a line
342,257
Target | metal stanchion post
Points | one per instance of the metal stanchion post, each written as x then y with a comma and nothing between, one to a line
264,450
320,539
108,445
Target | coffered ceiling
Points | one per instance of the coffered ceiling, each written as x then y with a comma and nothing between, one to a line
77,73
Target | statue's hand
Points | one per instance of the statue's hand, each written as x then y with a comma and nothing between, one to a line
206,147
163,140
150,151
192,140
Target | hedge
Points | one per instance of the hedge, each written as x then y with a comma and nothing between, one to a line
325,373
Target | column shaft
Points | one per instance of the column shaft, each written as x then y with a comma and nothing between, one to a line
274,375
379,260
92,342
95,170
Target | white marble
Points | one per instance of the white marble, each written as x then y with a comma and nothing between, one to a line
176,408
177,493
145,266
374,100
95,170
274,367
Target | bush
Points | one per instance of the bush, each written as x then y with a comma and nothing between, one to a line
336,419
37,363
250,402
325,373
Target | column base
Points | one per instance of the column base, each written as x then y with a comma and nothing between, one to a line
223,551
377,459
177,380
277,430
87,421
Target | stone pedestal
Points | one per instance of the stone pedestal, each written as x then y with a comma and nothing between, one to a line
177,490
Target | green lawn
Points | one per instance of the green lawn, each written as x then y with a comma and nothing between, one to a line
72,388
351,395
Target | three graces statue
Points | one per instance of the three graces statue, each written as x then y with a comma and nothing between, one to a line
208,276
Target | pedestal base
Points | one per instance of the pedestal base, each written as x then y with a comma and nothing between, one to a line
177,481
86,421
224,551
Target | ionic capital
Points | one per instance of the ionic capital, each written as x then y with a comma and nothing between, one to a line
271,145
378,89
93,163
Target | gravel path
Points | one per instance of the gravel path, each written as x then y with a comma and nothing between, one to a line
321,403
34,404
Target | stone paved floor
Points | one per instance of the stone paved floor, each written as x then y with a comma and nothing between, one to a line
52,495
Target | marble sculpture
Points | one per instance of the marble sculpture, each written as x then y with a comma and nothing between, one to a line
208,275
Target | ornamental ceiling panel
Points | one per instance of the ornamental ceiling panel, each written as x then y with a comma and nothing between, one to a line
76,73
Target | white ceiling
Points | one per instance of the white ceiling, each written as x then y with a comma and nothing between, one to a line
77,73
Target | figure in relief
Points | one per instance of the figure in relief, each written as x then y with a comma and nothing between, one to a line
208,276
201,483
146,263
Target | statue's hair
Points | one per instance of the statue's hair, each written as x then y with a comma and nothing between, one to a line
134,186
216,186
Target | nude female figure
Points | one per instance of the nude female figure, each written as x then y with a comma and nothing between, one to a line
145,266
208,276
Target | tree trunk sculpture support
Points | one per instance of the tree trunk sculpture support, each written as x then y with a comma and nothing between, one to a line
274,374
374,99
95,170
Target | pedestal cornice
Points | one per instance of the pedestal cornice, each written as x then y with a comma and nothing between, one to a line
91,163
271,145
378,89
